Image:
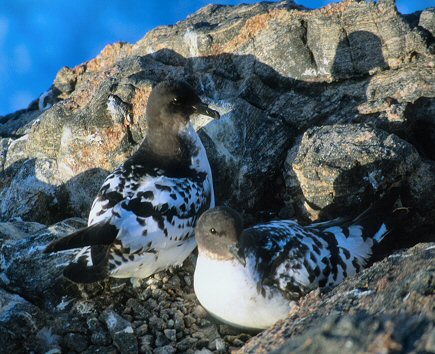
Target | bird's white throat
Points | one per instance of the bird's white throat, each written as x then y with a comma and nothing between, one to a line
199,160
228,291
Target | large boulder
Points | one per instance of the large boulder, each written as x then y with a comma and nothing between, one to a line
340,168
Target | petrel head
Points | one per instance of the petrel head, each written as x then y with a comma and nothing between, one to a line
172,102
217,233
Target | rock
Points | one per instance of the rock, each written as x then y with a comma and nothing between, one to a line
427,20
121,331
171,334
272,70
340,167
27,271
20,322
358,333
321,111
75,341
167,349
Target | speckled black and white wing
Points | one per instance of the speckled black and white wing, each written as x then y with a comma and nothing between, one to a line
297,259
119,185
155,225
163,206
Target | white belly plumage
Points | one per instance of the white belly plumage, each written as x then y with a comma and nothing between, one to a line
149,264
228,291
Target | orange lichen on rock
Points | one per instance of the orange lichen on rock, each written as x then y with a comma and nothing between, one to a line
384,342
139,102
93,150
109,56
252,27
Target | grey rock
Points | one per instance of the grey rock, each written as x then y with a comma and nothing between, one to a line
167,349
427,20
341,167
23,263
171,334
121,331
359,333
75,341
20,323
271,70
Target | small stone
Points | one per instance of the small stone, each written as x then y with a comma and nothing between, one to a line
203,351
75,341
199,312
146,343
217,344
189,321
238,343
101,338
156,323
116,323
204,322
179,321
186,343
125,342
167,349
93,324
171,334
188,280
142,330
161,339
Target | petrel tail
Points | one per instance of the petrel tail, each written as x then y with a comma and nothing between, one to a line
381,218
102,233
90,264
81,271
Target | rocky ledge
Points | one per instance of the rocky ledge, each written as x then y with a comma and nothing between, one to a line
321,111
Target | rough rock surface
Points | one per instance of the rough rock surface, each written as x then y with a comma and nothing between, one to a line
321,111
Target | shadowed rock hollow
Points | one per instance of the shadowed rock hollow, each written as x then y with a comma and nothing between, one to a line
321,111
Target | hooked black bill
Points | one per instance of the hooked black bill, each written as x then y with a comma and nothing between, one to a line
203,108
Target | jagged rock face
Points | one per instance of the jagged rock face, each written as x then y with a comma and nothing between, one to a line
338,166
272,70
321,111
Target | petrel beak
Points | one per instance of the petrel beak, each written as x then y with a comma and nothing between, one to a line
235,252
202,108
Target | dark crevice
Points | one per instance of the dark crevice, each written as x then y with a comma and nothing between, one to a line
304,38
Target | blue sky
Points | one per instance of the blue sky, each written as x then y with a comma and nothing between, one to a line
38,37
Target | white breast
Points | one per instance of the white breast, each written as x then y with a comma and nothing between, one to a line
228,291
200,161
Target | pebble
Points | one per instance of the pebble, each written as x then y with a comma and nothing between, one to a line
75,341
161,339
167,349
171,334
160,315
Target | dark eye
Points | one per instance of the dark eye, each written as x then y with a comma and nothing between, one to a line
212,231
176,100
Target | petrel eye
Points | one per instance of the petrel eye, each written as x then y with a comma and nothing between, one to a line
213,231
175,100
